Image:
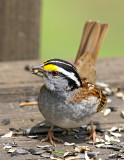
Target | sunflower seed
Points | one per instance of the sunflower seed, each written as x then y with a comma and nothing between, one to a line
69,144
113,129
9,145
115,134
93,154
107,111
33,152
7,135
11,150
33,136
5,121
25,130
99,145
81,155
82,148
45,155
101,84
113,109
120,95
114,147
22,151
122,114
109,101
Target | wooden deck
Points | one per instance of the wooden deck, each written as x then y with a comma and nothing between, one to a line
17,85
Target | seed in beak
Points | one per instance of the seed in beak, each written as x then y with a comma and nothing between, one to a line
35,71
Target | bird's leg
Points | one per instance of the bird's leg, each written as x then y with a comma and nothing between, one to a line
50,137
92,133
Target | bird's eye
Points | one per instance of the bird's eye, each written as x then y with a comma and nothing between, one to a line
55,73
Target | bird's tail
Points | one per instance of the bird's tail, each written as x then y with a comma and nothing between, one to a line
92,37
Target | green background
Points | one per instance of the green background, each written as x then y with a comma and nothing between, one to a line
62,24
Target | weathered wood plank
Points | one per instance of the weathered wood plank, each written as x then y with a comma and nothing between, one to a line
17,84
109,70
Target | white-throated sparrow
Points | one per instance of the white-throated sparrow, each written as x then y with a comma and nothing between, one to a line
67,99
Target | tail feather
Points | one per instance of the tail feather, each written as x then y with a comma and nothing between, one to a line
103,30
92,38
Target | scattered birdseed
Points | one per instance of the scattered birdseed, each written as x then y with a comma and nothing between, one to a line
32,120
81,155
14,129
120,95
116,155
121,150
25,130
5,121
92,154
76,130
33,136
99,145
86,156
22,151
107,138
46,147
121,144
55,158
14,154
9,145
114,147
113,109
66,154
81,149
27,67
69,144
71,157
109,101
107,111
116,134
113,129
31,99
42,124
122,114
7,135
45,155
11,150
33,152
84,126
101,84
107,91
76,136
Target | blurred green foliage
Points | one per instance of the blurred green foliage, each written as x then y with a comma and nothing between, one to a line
62,24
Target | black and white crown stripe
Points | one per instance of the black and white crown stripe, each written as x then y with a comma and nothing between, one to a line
66,69
59,61
70,75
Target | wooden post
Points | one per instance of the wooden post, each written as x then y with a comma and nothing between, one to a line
19,29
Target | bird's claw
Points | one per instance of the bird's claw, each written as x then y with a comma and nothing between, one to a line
51,138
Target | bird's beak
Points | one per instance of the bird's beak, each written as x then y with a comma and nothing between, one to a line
38,70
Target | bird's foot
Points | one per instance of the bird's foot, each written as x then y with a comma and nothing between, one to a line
51,138
93,136
92,133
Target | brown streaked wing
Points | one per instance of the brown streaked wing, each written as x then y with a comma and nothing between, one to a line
88,89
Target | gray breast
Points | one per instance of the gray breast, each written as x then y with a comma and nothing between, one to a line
59,112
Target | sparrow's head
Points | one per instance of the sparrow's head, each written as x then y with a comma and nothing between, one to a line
58,75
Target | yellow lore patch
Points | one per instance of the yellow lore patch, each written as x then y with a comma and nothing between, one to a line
50,67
